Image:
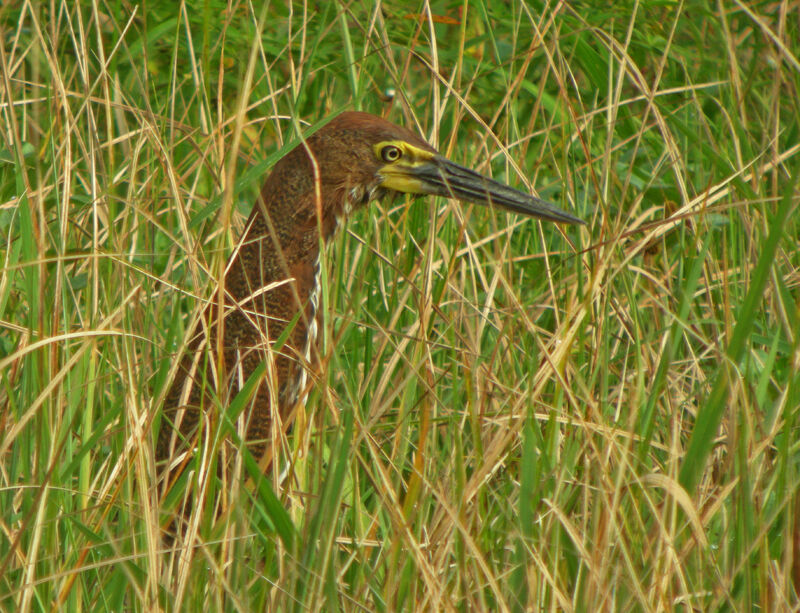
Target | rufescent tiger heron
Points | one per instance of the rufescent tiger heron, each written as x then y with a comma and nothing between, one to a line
272,280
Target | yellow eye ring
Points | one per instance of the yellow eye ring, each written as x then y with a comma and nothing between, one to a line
390,153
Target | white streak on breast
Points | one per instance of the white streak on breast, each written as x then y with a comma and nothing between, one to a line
357,195
311,337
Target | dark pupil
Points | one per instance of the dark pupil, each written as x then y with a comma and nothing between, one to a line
390,154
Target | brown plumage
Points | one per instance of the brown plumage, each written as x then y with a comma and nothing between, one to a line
272,277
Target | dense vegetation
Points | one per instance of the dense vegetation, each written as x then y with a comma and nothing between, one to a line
509,416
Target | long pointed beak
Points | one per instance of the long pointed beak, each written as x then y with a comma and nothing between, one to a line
441,177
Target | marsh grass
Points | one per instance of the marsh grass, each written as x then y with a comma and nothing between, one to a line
508,416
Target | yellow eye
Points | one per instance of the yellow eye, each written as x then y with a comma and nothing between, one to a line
390,153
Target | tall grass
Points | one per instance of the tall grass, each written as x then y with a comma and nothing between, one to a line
508,416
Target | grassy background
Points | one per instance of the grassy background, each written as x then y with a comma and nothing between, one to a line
510,416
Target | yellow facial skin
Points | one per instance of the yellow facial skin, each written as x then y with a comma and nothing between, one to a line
400,158
409,169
